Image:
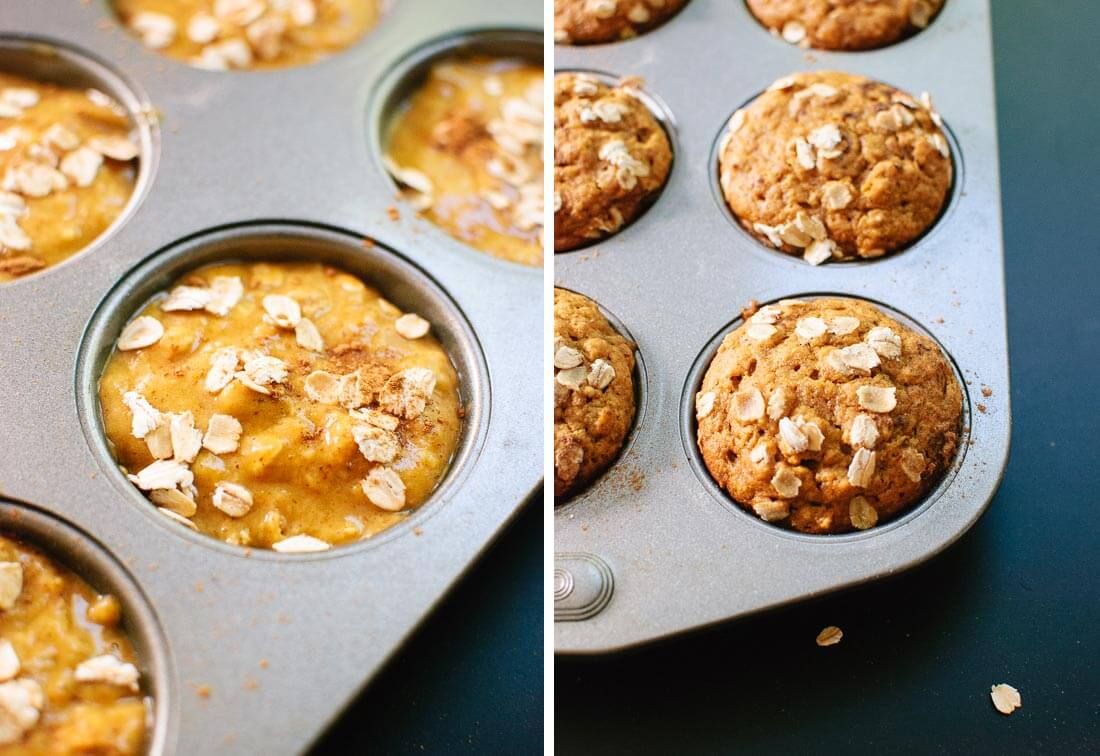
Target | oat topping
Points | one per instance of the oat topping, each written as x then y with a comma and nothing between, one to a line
186,438
704,404
283,311
308,337
862,469
863,432
21,703
600,374
109,669
262,371
748,404
1006,699
412,326
785,482
175,501
376,444
885,342
862,514
11,584
877,398
9,661
141,332
164,473
232,498
385,489
406,393
155,29
772,510
177,518
223,434
300,544
223,366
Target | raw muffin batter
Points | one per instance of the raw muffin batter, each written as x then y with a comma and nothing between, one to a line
281,405
467,148
845,24
593,391
68,683
827,416
611,158
582,22
248,34
67,170
834,166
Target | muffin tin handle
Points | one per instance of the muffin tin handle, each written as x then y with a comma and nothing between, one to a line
583,585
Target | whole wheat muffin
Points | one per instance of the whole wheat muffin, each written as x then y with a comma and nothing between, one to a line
593,391
832,166
586,22
611,157
845,24
827,416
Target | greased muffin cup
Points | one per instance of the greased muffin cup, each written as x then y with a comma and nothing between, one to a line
281,168
673,537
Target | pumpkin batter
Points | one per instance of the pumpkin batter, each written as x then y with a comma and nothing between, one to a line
67,170
467,148
281,405
68,683
248,34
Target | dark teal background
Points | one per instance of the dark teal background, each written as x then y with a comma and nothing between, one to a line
1017,600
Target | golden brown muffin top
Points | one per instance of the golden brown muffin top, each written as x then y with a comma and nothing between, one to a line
610,157
593,391
827,415
584,22
845,24
831,165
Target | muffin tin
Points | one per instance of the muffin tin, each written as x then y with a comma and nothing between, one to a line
654,548
250,651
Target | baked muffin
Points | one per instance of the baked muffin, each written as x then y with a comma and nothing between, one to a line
586,22
845,24
834,166
827,416
611,157
593,391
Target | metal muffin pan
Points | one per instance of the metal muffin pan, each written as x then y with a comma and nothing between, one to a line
654,548
259,651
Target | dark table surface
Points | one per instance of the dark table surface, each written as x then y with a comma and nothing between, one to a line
1017,600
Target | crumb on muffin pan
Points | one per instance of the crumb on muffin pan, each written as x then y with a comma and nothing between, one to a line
265,390
809,426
